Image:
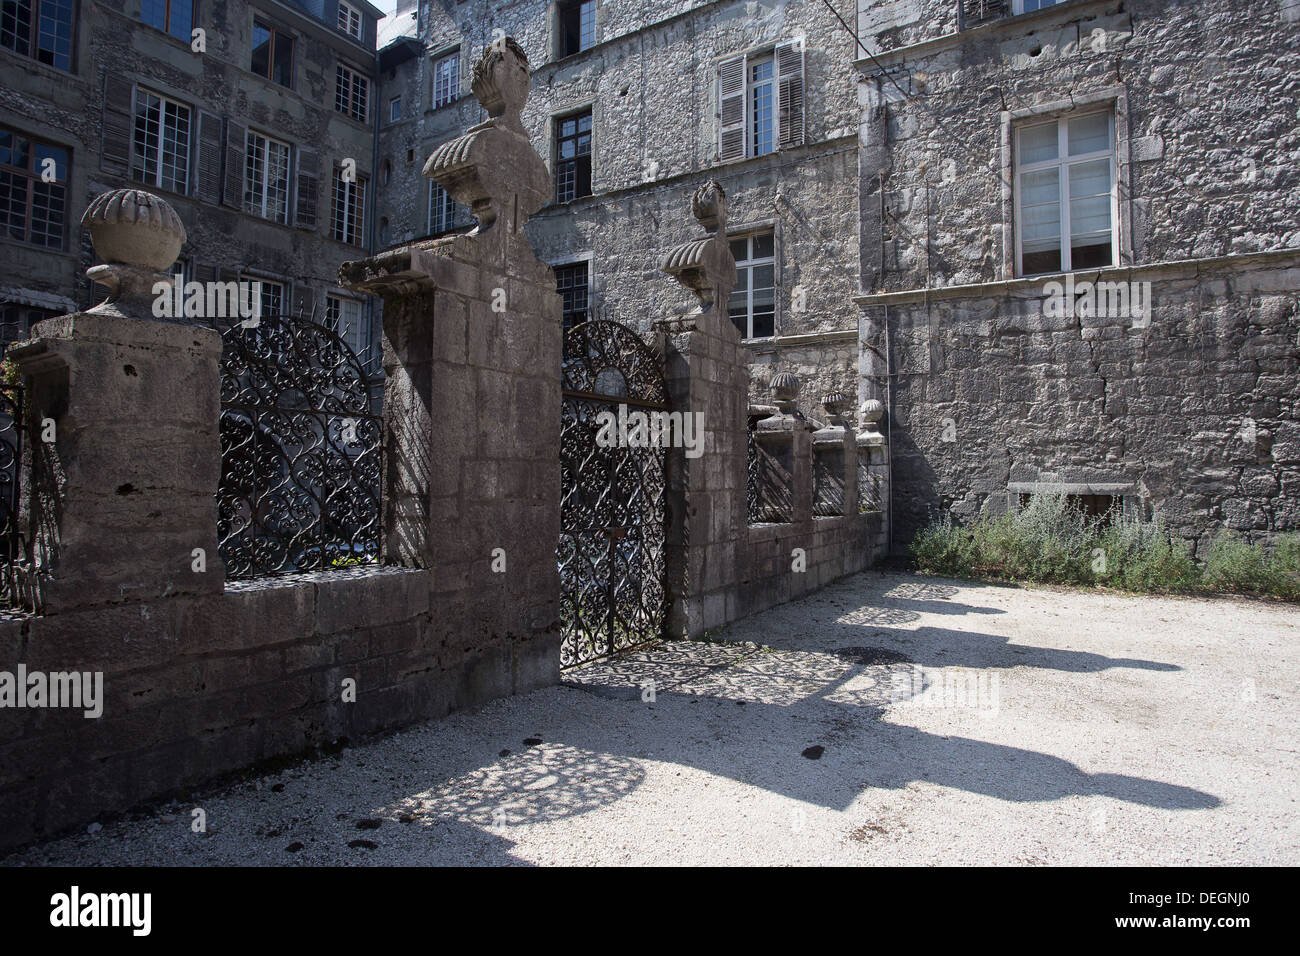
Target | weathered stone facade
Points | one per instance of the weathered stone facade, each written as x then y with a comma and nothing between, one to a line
1190,410
650,81
87,110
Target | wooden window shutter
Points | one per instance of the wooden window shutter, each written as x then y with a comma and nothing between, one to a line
308,189
236,143
789,65
208,173
731,109
205,272
115,141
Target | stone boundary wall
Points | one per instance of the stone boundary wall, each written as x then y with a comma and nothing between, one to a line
197,687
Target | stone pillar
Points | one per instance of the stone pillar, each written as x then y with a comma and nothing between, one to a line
873,466
124,410
835,461
472,352
787,439
706,372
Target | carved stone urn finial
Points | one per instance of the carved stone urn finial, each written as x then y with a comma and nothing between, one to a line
500,80
493,168
785,390
705,266
709,207
138,235
870,414
837,405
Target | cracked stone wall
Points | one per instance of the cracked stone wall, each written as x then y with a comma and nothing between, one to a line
1194,417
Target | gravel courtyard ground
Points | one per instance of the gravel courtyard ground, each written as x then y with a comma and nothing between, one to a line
888,719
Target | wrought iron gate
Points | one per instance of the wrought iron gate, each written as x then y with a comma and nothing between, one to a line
612,531
300,451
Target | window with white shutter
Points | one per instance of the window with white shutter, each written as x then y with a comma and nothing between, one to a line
761,102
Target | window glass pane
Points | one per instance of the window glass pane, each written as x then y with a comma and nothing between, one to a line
740,249
763,277
13,150
1040,213
1090,179
1091,254
152,12
1038,143
261,50
763,245
1048,260
1089,134
764,325
1091,215
182,19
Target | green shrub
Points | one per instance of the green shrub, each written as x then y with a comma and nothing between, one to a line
1052,541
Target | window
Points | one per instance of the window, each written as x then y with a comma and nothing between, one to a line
762,135
272,54
571,284
1065,181
171,16
760,102
347,318
753,300
573,156
350,20
1029,6
33,190
272,299
394,109
577,26
349,208
444,212
446,79
351,93
40,29
266,178
162,142
17,319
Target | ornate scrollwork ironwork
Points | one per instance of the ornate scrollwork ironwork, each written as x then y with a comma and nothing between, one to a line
300,452
613,532
11,456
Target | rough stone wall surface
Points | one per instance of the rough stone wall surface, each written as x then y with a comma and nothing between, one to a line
197,687
1196,416
67,109
651,81
1206,130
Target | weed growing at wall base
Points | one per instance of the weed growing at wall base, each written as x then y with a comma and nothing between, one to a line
1052,541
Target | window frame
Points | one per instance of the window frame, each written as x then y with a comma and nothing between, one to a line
562,34
1062,161
449,210
568,267
249,136
34,35
344,21
354,211
557,138
271,59
266,284
395,101
766,58
155,180
353,76
337,324
166,28
747,234
1018,6
452,93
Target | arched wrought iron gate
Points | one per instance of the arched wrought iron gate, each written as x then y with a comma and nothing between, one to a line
613,529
